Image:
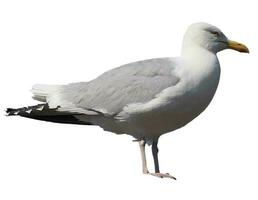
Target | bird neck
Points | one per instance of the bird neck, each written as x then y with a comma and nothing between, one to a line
199,63
197,57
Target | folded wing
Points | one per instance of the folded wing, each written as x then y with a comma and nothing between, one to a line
137,82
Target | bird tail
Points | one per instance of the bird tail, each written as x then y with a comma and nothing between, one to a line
44,113
41,92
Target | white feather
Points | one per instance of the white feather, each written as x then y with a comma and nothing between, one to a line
43,92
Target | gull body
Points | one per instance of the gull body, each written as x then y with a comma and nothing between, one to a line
144,99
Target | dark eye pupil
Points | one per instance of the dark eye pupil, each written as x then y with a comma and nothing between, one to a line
215,33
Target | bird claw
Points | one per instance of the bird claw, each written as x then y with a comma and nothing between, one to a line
162,175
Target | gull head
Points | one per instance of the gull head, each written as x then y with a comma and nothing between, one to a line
211,38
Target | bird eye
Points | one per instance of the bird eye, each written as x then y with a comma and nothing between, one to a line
215,33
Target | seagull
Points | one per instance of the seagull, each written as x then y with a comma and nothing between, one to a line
144,99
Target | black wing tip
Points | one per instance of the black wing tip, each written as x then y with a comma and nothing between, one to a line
10,111
44,114
21,111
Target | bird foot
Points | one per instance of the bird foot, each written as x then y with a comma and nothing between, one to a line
161,175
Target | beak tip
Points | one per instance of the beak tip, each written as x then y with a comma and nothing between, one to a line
238,47
245,51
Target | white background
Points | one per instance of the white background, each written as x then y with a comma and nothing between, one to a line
57,42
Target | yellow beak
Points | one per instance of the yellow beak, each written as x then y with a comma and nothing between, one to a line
237,46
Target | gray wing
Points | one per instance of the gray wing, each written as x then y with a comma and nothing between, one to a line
137,82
